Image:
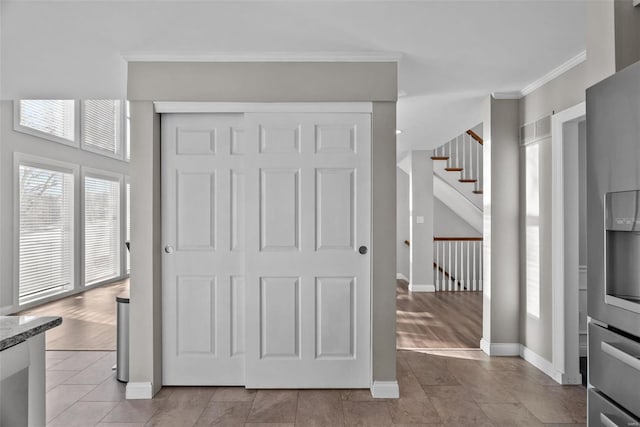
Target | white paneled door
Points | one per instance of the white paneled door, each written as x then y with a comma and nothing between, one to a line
203,259
267,279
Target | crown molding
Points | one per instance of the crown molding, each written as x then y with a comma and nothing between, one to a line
262,56
563,68
507,95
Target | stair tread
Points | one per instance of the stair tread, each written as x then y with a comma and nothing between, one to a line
439,158
477,191
453,169
467,180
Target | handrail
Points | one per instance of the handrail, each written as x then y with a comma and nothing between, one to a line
475,136
457,239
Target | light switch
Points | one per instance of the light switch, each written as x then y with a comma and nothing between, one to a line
419,220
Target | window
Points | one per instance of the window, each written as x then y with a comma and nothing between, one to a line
46,237
48,118
101,126
101,228
97,125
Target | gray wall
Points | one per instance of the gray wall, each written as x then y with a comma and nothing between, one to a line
18,142
582,190
501,222
563,92
257,82
421,193
402,222
627,33
447,223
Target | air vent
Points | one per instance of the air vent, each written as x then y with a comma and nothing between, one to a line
535,131
543,127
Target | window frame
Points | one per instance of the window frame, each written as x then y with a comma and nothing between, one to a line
110,176
44,135
120,131
22,159
123,144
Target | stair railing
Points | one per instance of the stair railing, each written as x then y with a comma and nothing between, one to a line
463,154
457,263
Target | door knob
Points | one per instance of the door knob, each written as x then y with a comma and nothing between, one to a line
168,249
362,250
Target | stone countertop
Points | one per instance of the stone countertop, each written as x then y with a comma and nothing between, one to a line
16,329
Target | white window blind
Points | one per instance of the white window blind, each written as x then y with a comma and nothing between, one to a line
50,116
101,229
101,125
46,232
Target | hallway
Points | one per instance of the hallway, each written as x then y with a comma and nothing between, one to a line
437,319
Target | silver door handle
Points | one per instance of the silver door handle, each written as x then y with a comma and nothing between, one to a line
620,355
168,249
606,421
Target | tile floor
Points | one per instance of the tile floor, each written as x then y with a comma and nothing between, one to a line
437,388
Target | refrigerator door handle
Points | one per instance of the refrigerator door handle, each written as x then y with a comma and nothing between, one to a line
616,353
606,421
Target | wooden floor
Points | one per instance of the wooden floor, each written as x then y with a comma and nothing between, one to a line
437,320
88,319
424,320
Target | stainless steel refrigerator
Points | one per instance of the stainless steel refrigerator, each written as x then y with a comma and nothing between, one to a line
613,218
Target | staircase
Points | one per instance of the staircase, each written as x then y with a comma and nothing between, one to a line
458,163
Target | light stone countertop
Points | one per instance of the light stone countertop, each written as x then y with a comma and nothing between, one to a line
16,329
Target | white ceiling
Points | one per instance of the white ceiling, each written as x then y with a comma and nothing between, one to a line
454,53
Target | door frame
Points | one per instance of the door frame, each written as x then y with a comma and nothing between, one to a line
564,258
186,107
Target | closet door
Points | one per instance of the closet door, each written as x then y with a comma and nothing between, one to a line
203,254
308,218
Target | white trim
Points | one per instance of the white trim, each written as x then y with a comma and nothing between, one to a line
541,363
143,390
563,68
564,286
547,367
75,142
507,95
385,390
500,349
262,107
55,165
7,309
401,276
420,287
262,56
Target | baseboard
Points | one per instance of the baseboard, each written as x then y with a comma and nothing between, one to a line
139,391
547,367
401,276
415,287
385,390
500,349
6,310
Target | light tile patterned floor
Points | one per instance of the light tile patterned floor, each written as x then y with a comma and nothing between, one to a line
438,388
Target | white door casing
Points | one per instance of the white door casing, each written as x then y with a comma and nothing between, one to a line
203,242
295,279
307,285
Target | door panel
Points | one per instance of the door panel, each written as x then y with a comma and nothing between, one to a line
203,262
307,286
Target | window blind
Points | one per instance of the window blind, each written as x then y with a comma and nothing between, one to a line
51,116
46,232
101,229
101,125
